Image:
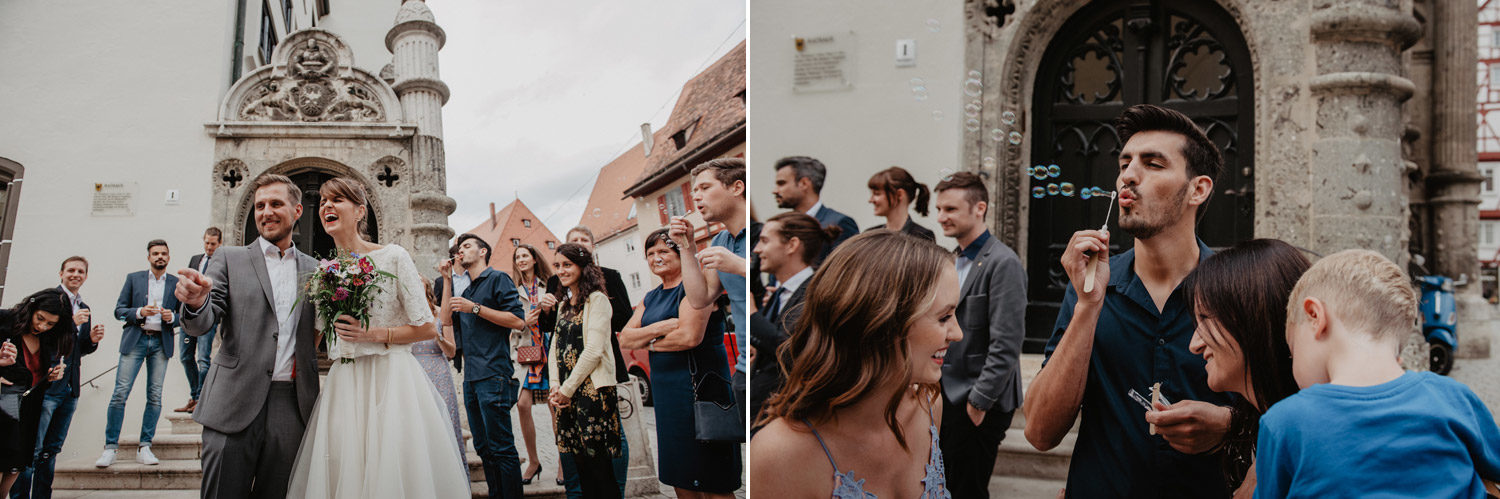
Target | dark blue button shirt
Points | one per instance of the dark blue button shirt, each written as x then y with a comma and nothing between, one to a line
1134,347
486,345
734,286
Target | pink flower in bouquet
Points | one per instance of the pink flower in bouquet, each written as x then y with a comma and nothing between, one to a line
325,264
340,294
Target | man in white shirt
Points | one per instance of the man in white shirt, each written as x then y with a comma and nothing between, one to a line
197,350
149,310
788,244
262,386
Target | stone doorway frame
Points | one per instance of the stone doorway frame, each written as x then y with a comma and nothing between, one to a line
1006,47
291,167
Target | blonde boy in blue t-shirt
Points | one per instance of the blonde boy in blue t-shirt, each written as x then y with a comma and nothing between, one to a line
1361,426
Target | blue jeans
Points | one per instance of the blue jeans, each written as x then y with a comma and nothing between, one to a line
570,469
52,428
148,351
488,403
195,359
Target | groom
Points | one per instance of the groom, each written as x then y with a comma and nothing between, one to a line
259,394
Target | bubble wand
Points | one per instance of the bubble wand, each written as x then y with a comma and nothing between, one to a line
1096,257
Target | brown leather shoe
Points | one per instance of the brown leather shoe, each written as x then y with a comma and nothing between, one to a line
187,408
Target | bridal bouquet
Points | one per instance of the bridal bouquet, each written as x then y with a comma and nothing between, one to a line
345,285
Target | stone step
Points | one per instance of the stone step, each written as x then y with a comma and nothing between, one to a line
182,423
126,474
547,489
1017,458
163,446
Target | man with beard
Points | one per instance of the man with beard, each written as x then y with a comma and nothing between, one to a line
1131,331
485,313
261,388
799,185
148,308
981,384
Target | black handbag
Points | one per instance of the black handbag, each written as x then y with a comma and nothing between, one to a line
717,416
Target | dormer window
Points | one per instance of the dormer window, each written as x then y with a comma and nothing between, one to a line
681,138
515,242
526,222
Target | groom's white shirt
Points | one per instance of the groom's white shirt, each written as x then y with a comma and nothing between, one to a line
281,267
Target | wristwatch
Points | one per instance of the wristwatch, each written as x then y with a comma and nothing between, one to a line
476,309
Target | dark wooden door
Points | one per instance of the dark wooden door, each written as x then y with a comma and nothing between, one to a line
1187,56
308,235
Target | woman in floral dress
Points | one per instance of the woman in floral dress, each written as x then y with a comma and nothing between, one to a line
582,374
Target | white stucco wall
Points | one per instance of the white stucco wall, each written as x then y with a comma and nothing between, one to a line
876,124
615,254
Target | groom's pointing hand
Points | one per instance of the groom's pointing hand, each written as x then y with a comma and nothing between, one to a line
193,288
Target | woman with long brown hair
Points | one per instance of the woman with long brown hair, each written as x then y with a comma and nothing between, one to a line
893,191
586,411
530,273
1239,299
858,413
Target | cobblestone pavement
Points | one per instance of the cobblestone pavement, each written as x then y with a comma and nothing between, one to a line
1482,376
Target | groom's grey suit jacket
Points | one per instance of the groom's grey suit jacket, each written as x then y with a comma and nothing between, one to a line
243,305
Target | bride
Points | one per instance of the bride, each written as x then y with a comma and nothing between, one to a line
379,428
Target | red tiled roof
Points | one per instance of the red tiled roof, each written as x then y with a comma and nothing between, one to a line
608,211
711,109
510,223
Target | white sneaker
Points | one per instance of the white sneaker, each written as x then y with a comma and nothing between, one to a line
144,456
106,459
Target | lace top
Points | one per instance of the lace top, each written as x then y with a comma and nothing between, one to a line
934,484
400,302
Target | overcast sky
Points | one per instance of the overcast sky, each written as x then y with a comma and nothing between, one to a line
546,93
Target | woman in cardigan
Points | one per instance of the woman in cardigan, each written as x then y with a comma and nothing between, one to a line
586,418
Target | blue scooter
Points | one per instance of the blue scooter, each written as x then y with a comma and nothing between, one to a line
1439,324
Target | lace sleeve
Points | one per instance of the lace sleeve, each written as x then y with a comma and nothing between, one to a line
413,295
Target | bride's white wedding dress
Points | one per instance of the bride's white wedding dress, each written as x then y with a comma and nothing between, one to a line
379,428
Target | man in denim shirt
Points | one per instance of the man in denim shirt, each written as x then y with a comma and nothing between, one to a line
486,312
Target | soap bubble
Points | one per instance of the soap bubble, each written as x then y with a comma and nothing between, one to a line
934,26
1015,138
973,87
971,125
917,82
997,134
1086,193
971,110
919,94
598,213
1053,189
975,74
662,207
1039,172
1008,118
988,162
1054,171
1066,188
945,174
1038,192
937,116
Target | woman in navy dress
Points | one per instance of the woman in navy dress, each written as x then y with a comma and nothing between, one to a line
681,340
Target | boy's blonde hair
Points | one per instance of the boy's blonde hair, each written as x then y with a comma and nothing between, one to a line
1366,291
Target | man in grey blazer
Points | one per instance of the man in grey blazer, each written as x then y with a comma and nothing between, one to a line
981,379
260,390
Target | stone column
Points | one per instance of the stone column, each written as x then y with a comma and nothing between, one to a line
414,42
1454,181
1356,176
1359,199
